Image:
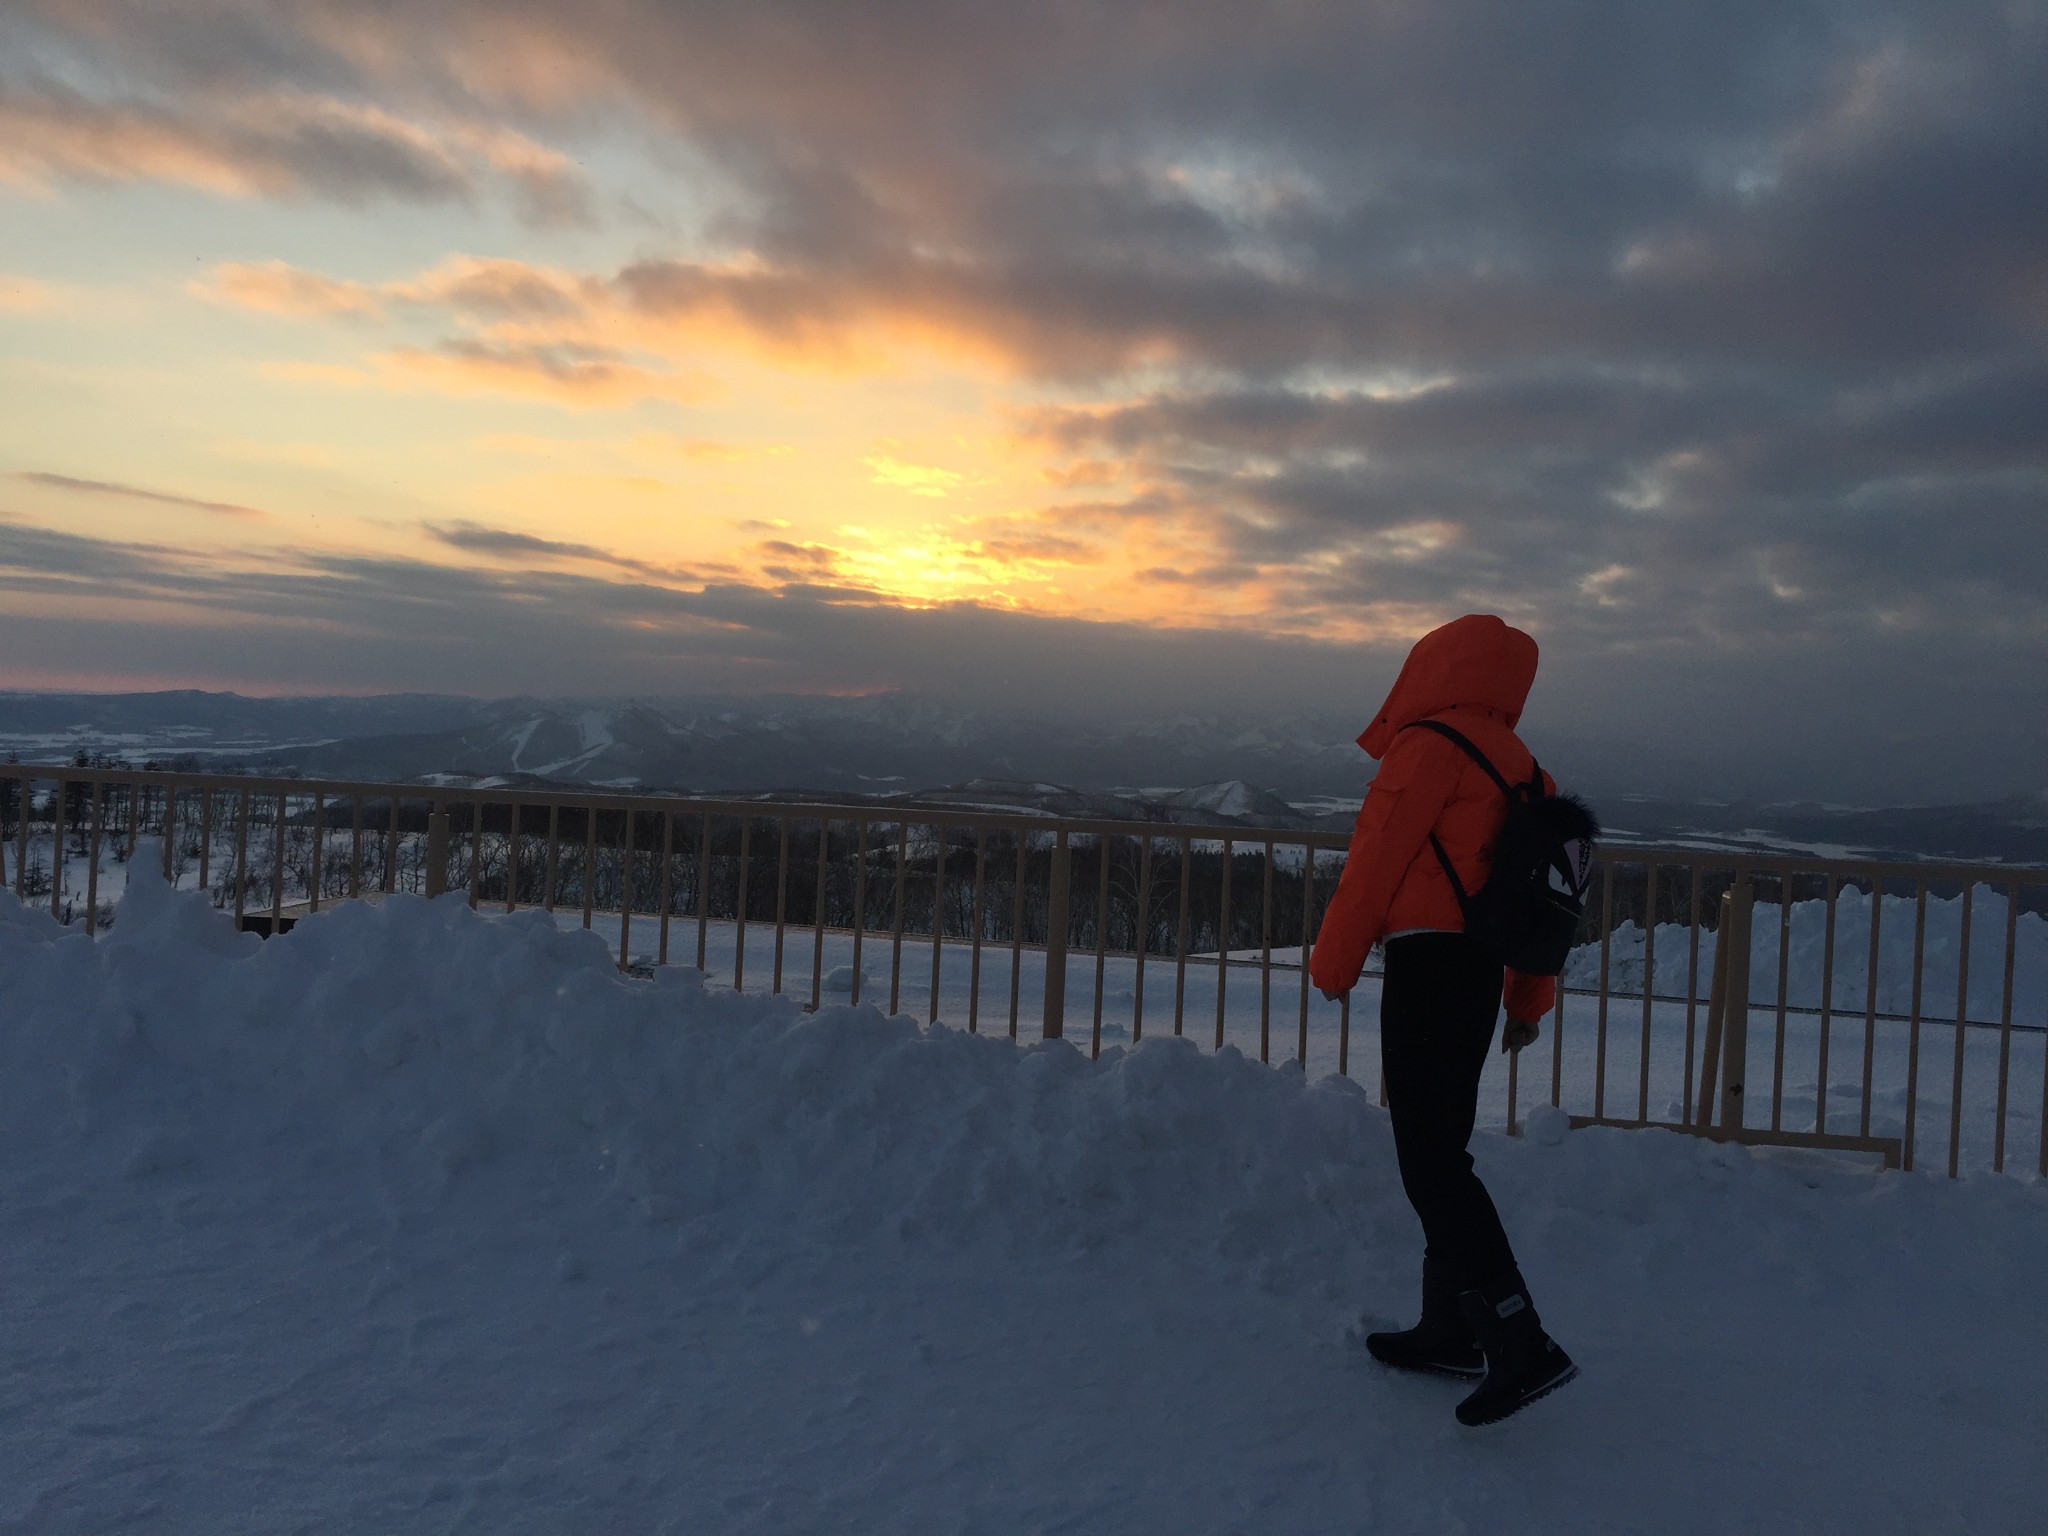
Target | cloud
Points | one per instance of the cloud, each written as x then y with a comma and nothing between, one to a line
1715,333
277,288
513,547
137,493
278,143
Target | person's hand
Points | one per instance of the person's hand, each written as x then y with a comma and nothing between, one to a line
1334,997
1519,1032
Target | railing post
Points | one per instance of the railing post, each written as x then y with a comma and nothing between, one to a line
1702,1108
1056,940
1735,1021
437,848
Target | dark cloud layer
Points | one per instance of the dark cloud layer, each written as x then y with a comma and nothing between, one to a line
1707,337
385,624
136,493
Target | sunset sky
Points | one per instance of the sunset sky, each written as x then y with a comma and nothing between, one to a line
1133,353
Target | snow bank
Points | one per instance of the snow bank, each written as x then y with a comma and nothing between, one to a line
423,1024
424,1219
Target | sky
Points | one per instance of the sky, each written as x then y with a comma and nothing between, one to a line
1124,356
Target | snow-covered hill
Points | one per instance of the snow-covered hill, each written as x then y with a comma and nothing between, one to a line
420,1219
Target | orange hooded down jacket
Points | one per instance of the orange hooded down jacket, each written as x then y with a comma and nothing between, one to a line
1474,674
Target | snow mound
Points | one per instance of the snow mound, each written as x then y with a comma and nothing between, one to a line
422,1024
418,1218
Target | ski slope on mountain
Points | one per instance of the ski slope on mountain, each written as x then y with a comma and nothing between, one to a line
421,1219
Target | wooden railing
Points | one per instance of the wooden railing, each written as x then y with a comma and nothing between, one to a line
1225,914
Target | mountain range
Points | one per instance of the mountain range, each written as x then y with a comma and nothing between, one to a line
1187,769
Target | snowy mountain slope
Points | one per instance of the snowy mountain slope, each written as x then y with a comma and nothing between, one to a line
421,1219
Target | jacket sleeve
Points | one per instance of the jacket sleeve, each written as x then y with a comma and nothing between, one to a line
1529,997
1401,807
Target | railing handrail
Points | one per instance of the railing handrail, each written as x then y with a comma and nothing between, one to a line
1985,872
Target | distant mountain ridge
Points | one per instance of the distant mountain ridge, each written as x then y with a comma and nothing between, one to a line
1186,770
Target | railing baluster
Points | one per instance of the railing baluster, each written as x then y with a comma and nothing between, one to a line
92,872
319,842
1649,991
1344,1035
241,856
1101,937
1141,938
2043,1168
1606,946
668,881
1913,1034
781,896
57,854
1557,1046
703,887
1058,893
355,847
553,871
1955,1108
476,852
1692,987
170,830
589,862
1717,1013
626,892
938,916
1180,944
896,923
974,961
1017,934
1827,1002
2012,918
205,836
860,909
1266,957
277,870
818,915
739,939
1223,942
515,813
388,880
26,790
1784,977
1870,1001
1514,1075
1308,906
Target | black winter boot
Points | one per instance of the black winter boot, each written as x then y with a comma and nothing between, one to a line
1523,1362
1442,1343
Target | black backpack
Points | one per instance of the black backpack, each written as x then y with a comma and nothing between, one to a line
1528,912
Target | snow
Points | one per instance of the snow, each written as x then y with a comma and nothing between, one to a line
419,1218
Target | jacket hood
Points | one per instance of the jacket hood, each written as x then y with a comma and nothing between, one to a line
1477,662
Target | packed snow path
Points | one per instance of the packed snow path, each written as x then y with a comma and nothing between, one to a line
424,1220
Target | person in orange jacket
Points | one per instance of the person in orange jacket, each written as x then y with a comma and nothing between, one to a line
1441,996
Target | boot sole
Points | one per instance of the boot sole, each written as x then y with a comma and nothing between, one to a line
1563,1378
1454,1372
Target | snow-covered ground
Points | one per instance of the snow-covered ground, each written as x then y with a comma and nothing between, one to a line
420,1219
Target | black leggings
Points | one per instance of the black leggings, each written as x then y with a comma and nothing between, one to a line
1438,1007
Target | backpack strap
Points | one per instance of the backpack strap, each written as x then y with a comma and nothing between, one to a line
1459,739
1464,743
1451,874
